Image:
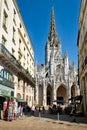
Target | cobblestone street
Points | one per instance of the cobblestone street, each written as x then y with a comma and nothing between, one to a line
40,123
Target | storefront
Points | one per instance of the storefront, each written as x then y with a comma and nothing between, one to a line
5,94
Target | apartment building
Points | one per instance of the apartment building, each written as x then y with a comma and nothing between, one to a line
82,53
16,54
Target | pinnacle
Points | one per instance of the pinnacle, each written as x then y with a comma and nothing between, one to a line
53,38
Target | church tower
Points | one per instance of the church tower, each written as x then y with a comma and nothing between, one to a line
56,80
53,44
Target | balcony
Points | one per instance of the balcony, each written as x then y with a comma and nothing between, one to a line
10,62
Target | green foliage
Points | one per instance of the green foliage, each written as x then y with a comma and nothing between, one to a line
38,105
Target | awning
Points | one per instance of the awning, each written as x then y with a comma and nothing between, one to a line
7,96
12,97
21,100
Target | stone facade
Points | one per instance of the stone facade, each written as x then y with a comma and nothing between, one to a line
57,78
82,53
16,54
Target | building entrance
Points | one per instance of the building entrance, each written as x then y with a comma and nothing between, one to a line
61,94
49,95
2,99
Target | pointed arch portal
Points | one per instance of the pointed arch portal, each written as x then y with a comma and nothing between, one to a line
49,95
61,93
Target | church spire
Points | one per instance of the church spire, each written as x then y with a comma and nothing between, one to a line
53,44
52,27
53,38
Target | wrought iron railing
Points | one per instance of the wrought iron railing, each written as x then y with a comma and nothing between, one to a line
4,51
12,59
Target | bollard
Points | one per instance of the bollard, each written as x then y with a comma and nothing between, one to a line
58,116
39,115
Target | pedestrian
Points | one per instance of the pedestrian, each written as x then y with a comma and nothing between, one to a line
20,109
43,109
10,107
15,109
33,109
5,105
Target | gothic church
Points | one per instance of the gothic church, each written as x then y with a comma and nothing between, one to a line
57,78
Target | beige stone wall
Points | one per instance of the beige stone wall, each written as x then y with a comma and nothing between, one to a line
82,49
14,36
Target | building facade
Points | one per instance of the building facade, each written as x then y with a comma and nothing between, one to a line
82,53
57,78
16,54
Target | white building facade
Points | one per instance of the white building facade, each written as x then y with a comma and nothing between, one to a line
16,54
57,78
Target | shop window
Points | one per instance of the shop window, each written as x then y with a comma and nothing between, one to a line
12,93
2,73
5,74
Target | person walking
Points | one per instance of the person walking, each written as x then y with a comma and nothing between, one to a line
43,109
5,113
33,109
15,109
10,108
20,109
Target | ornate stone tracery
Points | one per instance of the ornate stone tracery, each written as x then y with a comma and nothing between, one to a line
57,74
